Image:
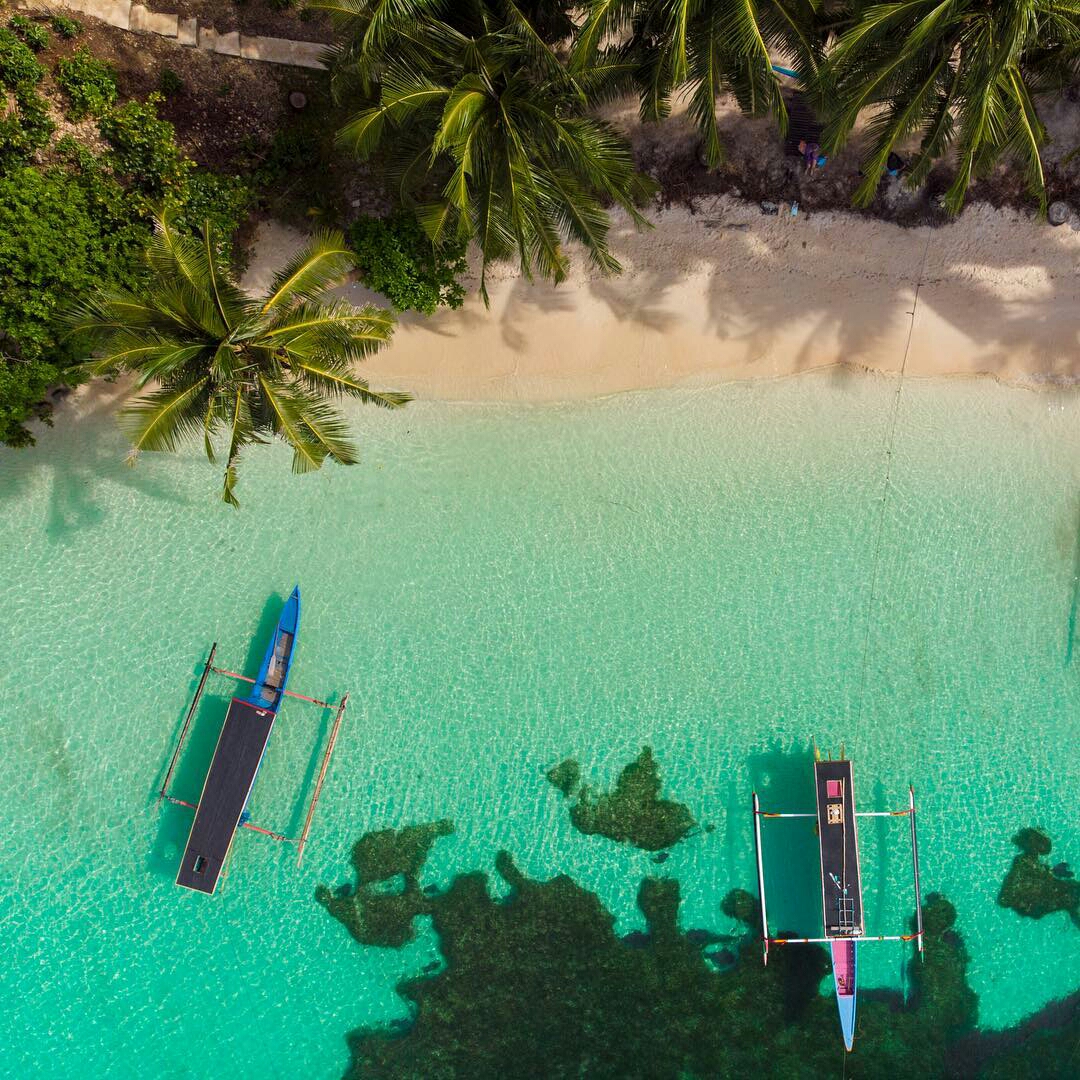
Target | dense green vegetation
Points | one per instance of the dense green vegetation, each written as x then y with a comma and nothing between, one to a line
89,84
62,231
396,258
962,76
83,219
486,109
227,367
703,50
488,130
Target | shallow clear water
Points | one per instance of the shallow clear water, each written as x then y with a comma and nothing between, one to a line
500,588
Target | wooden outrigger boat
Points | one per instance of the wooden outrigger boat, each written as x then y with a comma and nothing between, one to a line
841,883
223,805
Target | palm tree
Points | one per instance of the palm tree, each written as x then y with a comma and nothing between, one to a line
962,74
230,368
704,49
486,129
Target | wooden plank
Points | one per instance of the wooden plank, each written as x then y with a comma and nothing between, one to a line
841,885
288,693
225,793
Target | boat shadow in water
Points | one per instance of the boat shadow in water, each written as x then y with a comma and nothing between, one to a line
194,761
783,777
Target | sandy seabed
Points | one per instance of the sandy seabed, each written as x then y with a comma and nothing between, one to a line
729,293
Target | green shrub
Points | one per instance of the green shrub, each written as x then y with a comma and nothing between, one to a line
170,83
34,116
37,37
61,233
396,258
143,148
65,26
18,65
22,386
223,201
292,149
24,129
88,83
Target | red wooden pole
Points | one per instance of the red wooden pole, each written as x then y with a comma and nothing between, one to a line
322,776
244,824
288,693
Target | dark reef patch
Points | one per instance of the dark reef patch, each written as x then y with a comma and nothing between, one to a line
387,897
565,776
1032,888
633,812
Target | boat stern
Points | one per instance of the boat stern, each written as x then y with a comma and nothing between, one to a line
844,965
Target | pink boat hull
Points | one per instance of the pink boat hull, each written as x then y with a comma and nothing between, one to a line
844,965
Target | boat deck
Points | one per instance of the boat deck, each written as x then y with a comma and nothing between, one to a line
841,884
240,748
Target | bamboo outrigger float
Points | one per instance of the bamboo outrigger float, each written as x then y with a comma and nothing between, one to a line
841,884
222,806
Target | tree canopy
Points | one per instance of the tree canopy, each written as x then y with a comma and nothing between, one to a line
225,366
486,129
961,74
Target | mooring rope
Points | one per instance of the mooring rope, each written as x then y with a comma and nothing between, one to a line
886,484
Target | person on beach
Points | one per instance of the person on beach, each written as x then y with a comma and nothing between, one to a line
810,153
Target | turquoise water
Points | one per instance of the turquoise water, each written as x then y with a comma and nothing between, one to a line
500,588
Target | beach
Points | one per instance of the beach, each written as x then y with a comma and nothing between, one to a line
729,293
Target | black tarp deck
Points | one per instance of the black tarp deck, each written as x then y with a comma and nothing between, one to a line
841,885
228,783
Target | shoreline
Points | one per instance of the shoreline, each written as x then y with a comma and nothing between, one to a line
729,294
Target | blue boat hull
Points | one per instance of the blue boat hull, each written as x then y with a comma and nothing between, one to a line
273,677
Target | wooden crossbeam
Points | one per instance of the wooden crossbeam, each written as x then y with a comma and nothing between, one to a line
288,693
243,824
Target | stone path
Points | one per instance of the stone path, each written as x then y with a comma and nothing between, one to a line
131,16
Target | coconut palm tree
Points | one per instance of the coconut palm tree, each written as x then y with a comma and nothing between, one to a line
486,129
231,369
705,48
961,74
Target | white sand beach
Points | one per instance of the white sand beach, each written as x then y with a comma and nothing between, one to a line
729,293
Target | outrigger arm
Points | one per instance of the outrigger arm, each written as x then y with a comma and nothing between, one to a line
302,839
767,940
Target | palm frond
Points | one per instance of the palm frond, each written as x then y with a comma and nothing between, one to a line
322,263
165,418
283,411
362,133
